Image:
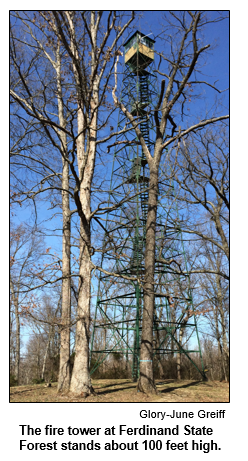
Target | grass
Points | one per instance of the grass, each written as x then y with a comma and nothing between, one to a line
124,390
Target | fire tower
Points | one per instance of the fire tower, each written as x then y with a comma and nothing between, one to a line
118,313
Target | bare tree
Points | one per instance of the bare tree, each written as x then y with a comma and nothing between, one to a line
47,51
40,360
215,293
78,50
203,179
25,248
180,72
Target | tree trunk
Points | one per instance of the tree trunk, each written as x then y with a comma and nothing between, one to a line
45,358
158,356
173,344
81,381
221,346
17,333
64,360
225,347
146,380
17,355
220,230
179,355
64,364
104,368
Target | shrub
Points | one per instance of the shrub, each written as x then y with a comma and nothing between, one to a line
12,381
38,381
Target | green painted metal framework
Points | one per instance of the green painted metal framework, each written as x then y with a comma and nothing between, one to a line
118,313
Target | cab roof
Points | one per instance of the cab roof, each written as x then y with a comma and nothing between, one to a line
142,35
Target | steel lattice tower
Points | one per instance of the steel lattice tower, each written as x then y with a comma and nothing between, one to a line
119,306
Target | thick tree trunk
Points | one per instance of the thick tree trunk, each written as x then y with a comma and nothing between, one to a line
146,380
86,152
64,361
81,381
64,365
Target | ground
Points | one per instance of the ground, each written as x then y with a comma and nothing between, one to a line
124,390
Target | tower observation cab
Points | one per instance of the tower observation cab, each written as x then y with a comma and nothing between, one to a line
139,51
